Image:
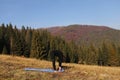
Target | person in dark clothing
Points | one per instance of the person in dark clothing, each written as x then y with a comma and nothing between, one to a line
54,54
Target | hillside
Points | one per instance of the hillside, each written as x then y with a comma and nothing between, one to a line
38,43
12,68
86,33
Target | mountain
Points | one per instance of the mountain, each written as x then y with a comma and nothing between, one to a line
86,33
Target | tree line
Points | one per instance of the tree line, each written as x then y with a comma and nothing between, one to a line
38,43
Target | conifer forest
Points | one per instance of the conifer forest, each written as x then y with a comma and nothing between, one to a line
38,43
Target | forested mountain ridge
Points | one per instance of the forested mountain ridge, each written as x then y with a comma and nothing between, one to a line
86,33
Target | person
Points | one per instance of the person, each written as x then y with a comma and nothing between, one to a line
54,54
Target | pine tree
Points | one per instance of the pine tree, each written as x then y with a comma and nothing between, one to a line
113,59
92,54
25,46
16,43
82,54
9,35
44,44
104,53
100,60
118,54
73,53
28,40
1,40
40,42
2,32
4,50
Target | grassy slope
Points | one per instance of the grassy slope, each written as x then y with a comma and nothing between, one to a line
12,68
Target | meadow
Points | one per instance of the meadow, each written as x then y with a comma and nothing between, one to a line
12,68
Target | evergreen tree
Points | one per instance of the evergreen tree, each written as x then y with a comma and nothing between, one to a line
100,60
2,32
17,43
25,47
85,55
4,50
104,53
40,42
118,54
92,55
113,59
8,37
34,45
28,40
73,53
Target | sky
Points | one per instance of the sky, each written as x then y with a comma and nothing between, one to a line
49,13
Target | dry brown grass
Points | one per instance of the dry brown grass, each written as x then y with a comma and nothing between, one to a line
12,68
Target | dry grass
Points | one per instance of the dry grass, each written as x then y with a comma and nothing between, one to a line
12,68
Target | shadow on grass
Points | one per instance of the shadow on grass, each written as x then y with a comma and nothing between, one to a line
67,67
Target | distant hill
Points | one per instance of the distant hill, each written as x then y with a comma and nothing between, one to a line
86,33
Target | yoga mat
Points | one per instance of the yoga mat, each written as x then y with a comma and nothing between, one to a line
42,70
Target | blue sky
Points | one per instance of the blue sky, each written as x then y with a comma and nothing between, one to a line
48,13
